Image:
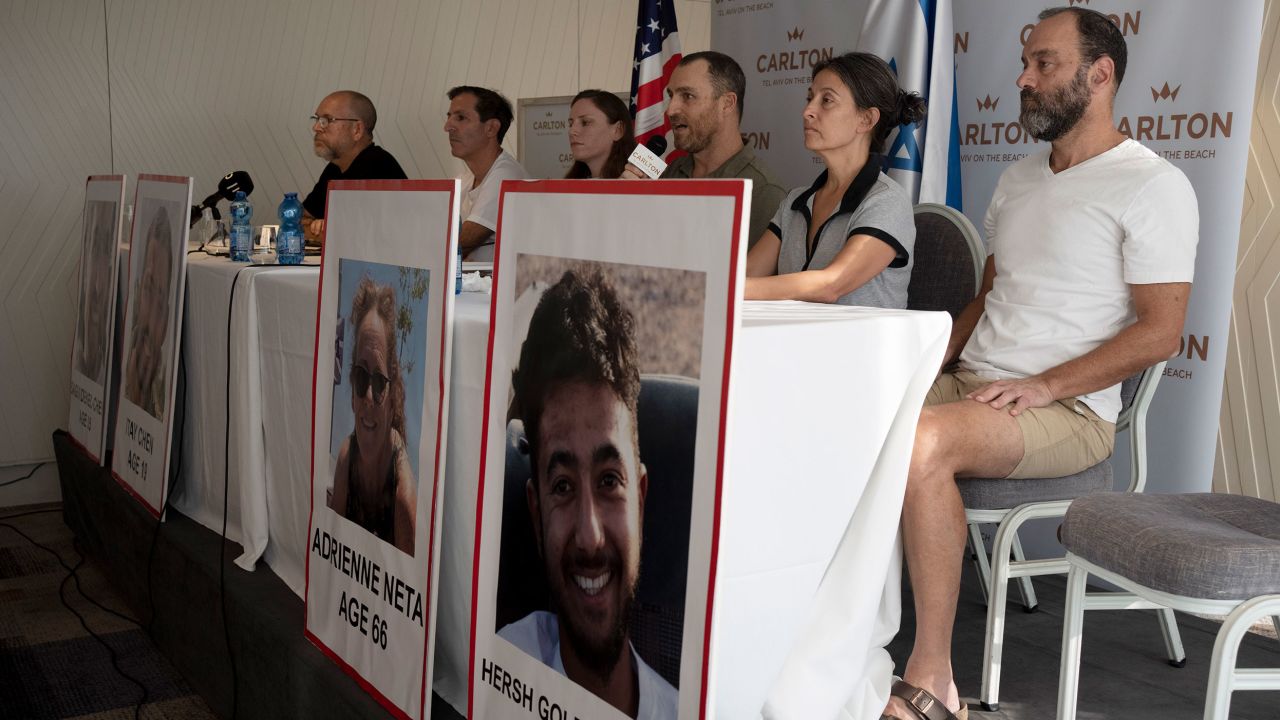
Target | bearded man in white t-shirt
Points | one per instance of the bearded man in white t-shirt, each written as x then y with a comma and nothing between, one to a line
1091,251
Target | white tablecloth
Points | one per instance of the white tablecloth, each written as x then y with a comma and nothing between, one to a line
823,408
211,388
823,414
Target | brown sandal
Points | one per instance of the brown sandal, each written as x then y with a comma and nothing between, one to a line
924,704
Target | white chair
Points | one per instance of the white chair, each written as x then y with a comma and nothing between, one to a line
1011,503
1202,553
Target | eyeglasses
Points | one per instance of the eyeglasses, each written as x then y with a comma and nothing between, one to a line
323,120
362,378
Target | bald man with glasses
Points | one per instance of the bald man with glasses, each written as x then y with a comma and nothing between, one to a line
343,135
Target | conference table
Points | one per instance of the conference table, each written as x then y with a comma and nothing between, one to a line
823,405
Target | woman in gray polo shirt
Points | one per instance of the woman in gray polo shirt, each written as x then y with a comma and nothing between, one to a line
847,238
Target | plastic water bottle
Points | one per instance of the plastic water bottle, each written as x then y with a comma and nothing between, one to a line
457,276
289,240
241,230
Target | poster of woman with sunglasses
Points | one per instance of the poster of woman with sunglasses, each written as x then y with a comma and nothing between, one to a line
374,483
379,432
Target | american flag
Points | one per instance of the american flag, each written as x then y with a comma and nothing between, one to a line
656,55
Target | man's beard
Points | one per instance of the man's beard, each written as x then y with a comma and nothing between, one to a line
326,153
1047,117
697,135
601,655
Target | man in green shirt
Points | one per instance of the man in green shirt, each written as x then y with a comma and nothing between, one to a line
707,91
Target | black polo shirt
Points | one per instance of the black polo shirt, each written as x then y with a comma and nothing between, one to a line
373,163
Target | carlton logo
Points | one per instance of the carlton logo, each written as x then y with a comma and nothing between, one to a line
1128,22
1164,93
987,103
757,140
549,125
995,133
1175,125
1191,348
793,59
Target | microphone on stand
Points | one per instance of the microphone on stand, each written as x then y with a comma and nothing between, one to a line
647,158
232,182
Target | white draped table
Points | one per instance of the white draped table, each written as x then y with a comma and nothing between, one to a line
823,405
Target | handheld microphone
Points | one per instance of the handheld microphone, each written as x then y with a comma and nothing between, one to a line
232,182
648,157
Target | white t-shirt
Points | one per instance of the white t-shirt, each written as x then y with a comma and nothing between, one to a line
538,634
1067,246
480,204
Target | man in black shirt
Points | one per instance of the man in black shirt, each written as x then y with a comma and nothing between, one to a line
343,128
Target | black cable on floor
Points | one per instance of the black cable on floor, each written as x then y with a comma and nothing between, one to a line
226,496
30,512
149,628
72,573
6,483
172,481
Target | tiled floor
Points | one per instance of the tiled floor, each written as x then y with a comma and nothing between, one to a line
1123,671
51,668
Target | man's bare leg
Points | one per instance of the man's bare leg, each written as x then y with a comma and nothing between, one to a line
965,438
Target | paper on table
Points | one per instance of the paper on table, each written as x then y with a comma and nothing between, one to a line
475,282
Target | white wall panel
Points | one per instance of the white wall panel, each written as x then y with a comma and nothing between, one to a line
53,133
1249,422
201,89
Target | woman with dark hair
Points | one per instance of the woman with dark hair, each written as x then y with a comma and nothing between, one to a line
600,135
847,238
373,485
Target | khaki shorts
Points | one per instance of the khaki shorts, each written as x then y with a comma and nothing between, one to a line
1060,439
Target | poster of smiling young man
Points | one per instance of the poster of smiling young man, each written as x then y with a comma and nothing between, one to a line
383,340
95,326
152,337
603,447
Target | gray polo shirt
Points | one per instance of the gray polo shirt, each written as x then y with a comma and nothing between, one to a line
873,205
766,191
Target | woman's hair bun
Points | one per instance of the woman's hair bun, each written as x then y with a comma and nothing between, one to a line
911,107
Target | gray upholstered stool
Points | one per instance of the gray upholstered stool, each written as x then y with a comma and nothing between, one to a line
1214,554
1011,503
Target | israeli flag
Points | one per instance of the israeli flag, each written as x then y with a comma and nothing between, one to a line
915,38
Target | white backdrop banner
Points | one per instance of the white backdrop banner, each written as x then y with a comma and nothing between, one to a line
383,341
778,43
1177,100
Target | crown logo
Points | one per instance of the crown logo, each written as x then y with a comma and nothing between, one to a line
1077,2
796,34
987,103
1164,93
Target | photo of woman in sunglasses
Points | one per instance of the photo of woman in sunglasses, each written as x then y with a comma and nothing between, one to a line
373,485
